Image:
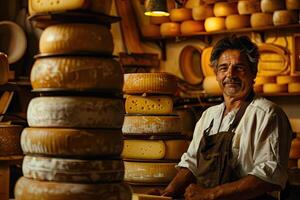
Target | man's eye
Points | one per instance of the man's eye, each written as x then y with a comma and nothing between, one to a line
222,69
241,68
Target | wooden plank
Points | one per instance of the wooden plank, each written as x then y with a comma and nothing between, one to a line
4,182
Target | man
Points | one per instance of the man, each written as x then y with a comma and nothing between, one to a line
240,148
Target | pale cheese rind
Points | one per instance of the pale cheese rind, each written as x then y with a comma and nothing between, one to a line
77,112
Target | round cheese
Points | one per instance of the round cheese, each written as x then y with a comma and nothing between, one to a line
271,5
156,83
180,14
77,73
156,125
295,149
175,148
259,80
72,143
147,172
275,88
71,170
77,112
155,105
247,7
159,20
261,20
237,21
293,87
171,29
223,9
10,140
285,17
287,79
211,86
28,189
205,62
193,3
295,124
71,38
292,4
214,24
202,12
191,26
150,30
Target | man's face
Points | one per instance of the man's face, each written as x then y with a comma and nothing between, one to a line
233,74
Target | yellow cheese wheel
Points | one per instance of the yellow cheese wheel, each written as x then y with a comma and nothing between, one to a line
175,148
287,79
211,86
77,73
292,4
72,170
223,9
214,24
155,105
180,14
28,189
152,125
237,21
259,80
191,26
147,172
275,88
170,29
202,12
77,112
156,83
271,5
72,143
247,7
150,30
295,124
70,38
261,20
159,20
293,87
205,62
295,149
285,17
10,140
193,3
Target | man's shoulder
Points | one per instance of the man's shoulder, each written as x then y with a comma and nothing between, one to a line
262,104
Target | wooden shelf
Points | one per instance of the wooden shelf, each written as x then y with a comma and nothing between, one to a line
14,86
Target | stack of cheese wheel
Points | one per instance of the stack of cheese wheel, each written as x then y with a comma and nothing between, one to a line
74,143
294,157
153,143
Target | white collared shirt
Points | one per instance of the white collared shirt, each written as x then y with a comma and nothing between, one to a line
260,145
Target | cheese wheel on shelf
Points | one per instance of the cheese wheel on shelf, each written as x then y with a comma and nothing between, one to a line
28,189
246,7
10,140
211,86
159,20
261,20
155,125
237,21
191,26
293,87
155,83
205,62
180,14
214,24
260,80
150,30
171,29
295,124
285,17
275,88
193,3
155,105
202,12
72,170
147,172
175,148
77,73
223,9
295,149
71,38
77,112
287,79
271,5
292,4
72,143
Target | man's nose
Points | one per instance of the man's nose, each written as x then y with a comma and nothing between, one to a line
230,71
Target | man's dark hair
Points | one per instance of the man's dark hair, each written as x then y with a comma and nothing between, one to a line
243,44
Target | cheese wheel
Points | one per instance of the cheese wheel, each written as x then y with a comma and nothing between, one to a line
202,12
77,112
3,69
295,124
72,170
292,4
99,6
147,172
237,21
258,88
287,79
77,73
159,20
72,143
214,24
271,5
193,3
295,149
260,80
175,148
155,105
293,87
155,83
150,30
70,38
156,125
247,7
205,62
211,86
10,140
285,17
223,9
180,14
261,20
148,197
191,26
170,29
28,189
275,88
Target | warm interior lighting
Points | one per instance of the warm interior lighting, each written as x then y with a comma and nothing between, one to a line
156,8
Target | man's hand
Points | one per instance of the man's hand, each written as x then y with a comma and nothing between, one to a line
196,192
